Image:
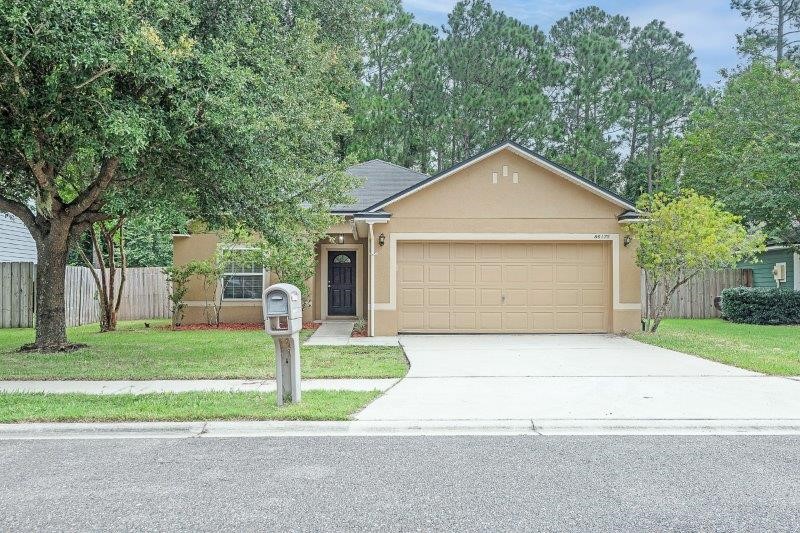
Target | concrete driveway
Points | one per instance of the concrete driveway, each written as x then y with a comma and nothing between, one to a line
574,377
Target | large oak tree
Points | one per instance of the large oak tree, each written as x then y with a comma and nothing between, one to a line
224,108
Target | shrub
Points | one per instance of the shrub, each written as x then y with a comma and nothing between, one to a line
756,305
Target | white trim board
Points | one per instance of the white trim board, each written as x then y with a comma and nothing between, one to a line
524,154
796,272
391,305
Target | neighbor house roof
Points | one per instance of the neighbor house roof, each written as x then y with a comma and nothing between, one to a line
16,243
381,180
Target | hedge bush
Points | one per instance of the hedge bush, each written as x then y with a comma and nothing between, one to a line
758,305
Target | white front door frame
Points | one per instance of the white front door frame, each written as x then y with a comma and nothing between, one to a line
324,250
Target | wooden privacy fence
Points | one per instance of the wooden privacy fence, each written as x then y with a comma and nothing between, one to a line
695,299
16,294
145,295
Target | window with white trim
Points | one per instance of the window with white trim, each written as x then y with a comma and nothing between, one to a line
242,281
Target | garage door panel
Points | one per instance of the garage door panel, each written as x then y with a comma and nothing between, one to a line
491,297
439,320
515,251
465,320
542,273
504,287
438,274
490,273
591,254
412,297
490,321
490,251
568,321
515,273
515,321
411,251
567,274
542,252
543,322
439,251
567,252
464,274
568,297
463,250
591,273
593,321
541,297
411,273
593,297
516,298
439,297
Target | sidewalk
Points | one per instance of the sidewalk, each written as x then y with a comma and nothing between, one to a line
337,333
187,385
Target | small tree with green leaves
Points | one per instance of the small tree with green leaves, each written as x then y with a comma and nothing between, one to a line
178,278
682,237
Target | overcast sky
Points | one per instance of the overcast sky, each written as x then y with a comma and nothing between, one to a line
709,26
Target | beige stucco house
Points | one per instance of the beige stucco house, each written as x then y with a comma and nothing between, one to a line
506,241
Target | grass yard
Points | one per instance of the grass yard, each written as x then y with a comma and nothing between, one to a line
772,350
316,405
136,352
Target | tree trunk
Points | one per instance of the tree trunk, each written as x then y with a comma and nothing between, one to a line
779,41
51,324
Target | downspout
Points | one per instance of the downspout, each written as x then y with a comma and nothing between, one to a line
371,318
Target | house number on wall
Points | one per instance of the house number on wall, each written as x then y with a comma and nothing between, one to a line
602,236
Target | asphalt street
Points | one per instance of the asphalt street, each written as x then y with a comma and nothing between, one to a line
469,483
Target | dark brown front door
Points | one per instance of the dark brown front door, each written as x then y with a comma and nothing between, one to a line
341,283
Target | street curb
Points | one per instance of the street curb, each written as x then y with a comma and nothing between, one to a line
239,429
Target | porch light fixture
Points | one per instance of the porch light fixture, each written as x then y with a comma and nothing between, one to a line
627,240
381,239
340,238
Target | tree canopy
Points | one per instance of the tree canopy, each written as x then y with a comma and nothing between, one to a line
225,109
774,30
596,94
683,236
744,148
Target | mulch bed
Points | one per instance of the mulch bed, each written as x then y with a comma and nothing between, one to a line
359,332
235,326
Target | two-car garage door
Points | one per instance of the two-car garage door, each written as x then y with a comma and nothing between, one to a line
508,287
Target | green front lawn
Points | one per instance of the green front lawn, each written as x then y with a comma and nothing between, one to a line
137,352
772,350
316,405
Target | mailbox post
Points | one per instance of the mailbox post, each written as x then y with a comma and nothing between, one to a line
283,320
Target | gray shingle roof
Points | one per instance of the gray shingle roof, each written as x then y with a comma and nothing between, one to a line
380,181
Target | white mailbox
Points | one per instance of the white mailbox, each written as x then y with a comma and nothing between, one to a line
283,309
283,320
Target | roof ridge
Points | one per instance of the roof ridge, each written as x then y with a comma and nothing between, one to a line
398,166
616,198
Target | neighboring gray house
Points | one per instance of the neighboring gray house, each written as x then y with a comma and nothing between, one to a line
16,243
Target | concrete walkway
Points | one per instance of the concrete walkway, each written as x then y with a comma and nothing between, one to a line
188,385
337,333
569,378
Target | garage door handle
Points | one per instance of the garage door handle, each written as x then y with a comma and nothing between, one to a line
503,298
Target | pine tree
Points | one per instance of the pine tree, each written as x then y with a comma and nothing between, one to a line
775,29
496,70
665,85
590,104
